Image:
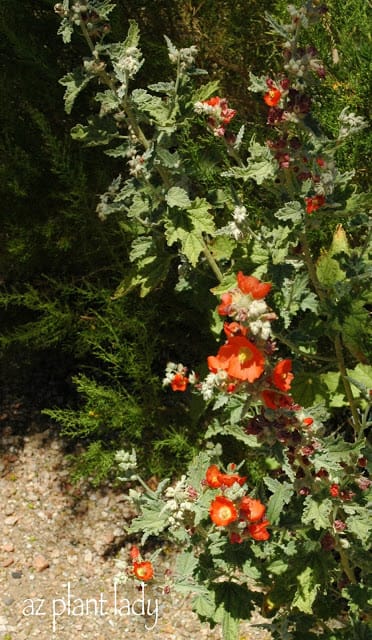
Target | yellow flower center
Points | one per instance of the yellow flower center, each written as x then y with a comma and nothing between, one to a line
244,355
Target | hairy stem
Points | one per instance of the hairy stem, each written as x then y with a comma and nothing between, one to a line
345,563
346,383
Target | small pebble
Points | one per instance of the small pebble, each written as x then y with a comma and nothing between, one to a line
17,575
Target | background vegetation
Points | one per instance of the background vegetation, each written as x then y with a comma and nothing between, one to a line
65,343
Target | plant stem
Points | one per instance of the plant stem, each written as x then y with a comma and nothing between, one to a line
345,563
346,383
211,261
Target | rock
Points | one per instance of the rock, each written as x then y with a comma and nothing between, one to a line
10,521
40,563
7,563
17,575
8,547
7,600
108,537
9,509
88,556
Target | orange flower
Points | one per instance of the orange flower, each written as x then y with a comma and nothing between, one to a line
272,97
234,329
275,400
228,480
216,479
212,476
222,511
143,570
134,552
239,358
226,301
253,286
282,375
259,531
252,509
179,382
314,203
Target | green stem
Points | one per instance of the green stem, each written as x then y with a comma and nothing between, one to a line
311,268
212,263
86,35
345,563
346,383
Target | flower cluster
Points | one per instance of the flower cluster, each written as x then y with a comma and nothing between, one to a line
180,500
176,377
243,362
218,112
241,514
185,57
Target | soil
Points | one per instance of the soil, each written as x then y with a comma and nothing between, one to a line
59,547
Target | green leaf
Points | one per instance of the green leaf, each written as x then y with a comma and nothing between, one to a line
140,247
281,494
278,27
228,282
329,271
152,521
168,159
177,197
204,605
186,564
292,211
192,246
306,592
66,29
98,131
74,81
152,271
221,247
206,91
215,428
163,87
316,513
257,84
230,627
361,377
153,105
109,101
234,599
334,452
332,380
201,218
359,524
309,388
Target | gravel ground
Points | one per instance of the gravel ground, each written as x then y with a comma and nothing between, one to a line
58,544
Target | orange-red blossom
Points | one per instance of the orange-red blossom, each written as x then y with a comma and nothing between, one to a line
282,375
216,479
144,571
223,511
272,97
240,358
253,286
179,382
